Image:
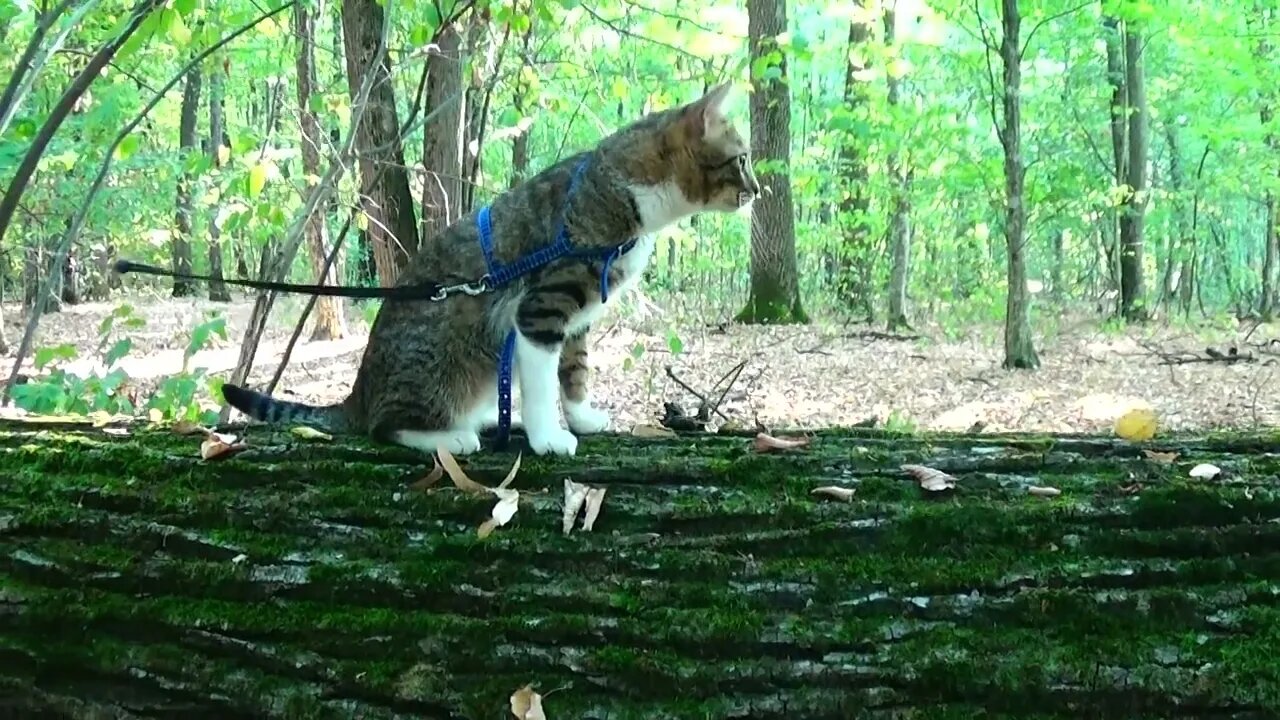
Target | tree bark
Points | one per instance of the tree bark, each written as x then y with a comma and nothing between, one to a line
482,50
385,196
218,290
1019,350
520,143
329,323
442,154
307,579
855,260
184,213
1270,239
774,295
900,222
1133,213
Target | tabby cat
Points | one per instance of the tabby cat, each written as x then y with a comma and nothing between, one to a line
428,377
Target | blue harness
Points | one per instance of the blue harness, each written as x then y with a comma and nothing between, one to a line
499,275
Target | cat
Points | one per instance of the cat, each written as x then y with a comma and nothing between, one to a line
428,377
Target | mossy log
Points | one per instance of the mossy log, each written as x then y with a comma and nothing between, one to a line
304,579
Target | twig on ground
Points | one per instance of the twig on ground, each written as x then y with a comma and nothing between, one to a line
878,335
671,373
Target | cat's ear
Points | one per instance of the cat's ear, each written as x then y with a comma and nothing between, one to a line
705,116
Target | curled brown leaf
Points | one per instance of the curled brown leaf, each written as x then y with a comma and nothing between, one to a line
836,492
930,479
765,442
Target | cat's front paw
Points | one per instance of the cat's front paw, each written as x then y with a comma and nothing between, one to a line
586,420
553,441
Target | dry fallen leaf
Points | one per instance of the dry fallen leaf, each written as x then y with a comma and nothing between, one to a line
429,480
527,704
503,511
186,427
595,497
309,433
217,445
765,442
155,415
930,479
459,478
1163,458
1040,491
835,491
575,494
651,431
1137,425
1205,471
512,474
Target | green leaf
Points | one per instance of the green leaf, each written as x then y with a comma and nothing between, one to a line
257,179
117,351
178,30
674,343
128,146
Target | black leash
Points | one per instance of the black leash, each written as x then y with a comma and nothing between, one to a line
428,291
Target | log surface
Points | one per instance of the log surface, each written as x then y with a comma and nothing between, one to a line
304,579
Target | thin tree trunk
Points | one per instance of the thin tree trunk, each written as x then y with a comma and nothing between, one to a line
1133,212
774,296
329,323
218,290
1178,244
442,137
855,260
520,143
1113,35
900,222
385,196
1271,249
189,143
483,53
1019,351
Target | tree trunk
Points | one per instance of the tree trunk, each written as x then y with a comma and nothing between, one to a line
900,222
218,290
1271,243
1019,351
483,53
188,143
1133,212
329,323
1178,244
1113,35
385,196
442,142
306,579
855,260
520,143
774,296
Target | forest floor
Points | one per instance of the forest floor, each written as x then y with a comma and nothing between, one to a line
807,376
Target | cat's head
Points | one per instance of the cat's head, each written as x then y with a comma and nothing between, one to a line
711,161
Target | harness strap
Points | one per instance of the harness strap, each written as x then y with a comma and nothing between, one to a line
498,275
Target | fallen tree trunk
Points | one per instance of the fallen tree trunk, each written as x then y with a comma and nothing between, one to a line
305,579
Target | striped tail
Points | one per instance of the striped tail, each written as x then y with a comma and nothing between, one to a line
261,406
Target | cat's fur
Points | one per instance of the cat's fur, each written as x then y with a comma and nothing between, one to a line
429,373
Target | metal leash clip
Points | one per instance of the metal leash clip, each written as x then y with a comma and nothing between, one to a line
473,288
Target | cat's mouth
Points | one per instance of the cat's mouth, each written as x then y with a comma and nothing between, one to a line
745,198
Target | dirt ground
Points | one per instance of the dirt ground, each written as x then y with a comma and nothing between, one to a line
810,376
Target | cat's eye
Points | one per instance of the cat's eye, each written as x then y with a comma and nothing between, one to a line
742,162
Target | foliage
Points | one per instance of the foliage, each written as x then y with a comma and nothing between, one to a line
1211,67
109,389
